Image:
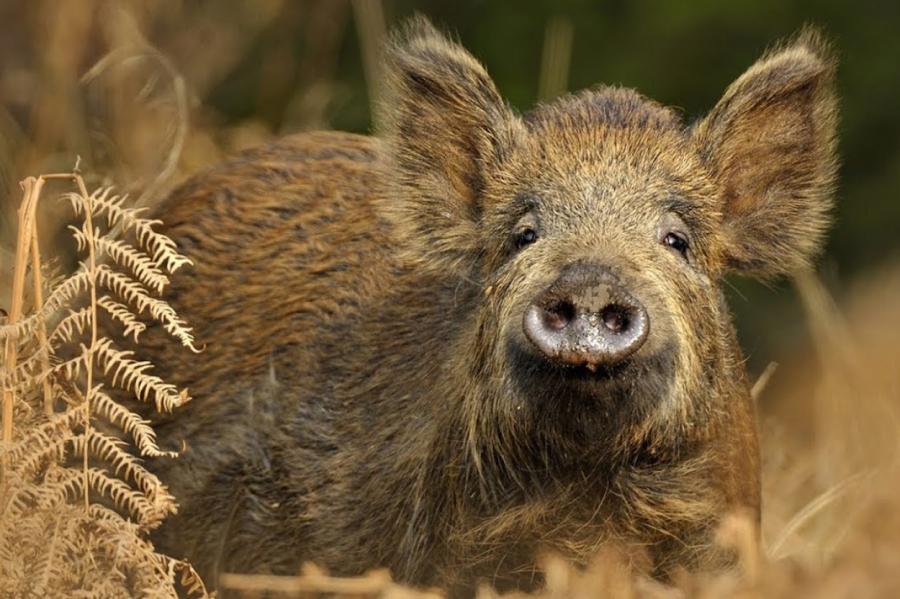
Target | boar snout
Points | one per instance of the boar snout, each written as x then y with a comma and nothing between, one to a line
586,318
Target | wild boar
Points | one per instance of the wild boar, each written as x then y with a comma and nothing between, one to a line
480,335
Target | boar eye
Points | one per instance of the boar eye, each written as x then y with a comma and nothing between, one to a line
677,242
525,237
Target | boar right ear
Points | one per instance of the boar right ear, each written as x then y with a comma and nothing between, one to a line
447,128
771,143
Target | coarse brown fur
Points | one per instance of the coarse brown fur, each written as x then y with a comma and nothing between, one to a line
367,397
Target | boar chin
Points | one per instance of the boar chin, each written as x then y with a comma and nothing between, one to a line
608,396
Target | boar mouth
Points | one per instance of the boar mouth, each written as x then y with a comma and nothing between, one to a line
596,372
639,379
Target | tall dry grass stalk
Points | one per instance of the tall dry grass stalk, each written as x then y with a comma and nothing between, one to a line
371,29
555,58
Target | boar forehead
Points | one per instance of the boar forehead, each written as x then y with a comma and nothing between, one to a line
615,147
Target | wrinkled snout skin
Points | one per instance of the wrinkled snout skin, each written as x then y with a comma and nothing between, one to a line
479,336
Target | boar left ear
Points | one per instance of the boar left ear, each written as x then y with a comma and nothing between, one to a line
771,143
447,128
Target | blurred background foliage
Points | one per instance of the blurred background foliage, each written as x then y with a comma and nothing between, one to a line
149,91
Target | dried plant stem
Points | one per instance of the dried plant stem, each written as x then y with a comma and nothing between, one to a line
556,58
32,191
160,183
54,537
369,17
812,509
763,380
312,580
42,327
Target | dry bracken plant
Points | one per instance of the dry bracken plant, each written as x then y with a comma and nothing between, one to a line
76,499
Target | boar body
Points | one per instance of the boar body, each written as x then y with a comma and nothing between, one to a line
403,365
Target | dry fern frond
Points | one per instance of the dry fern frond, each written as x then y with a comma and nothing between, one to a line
132,375
76,499
141,433
44,442
149,514
134,260
125,465
74,324
161,248
121,314
135,293
61,295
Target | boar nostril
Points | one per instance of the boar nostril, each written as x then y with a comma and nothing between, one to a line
559,315
585,318
615,318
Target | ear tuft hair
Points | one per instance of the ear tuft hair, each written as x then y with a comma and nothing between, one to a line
771,141
446,127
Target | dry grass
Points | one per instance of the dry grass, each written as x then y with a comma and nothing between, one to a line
133,108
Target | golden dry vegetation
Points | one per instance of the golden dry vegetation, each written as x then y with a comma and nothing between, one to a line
76,503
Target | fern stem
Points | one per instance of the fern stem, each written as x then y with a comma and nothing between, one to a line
89,358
